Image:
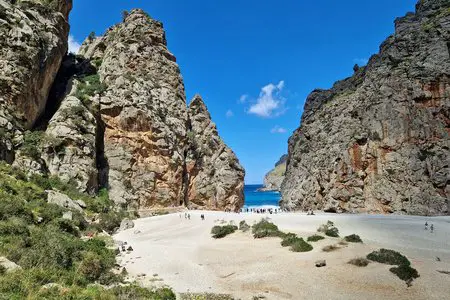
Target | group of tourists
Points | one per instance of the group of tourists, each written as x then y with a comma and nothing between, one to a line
262,210
431,227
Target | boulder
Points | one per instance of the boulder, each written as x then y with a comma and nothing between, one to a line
62,200
126,224
8,265
321,263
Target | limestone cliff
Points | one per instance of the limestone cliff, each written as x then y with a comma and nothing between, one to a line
216,179
379,141
274,178
116,118
32,45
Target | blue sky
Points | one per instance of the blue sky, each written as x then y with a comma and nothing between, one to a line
254,62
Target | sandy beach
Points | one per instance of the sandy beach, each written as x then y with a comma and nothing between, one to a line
181,254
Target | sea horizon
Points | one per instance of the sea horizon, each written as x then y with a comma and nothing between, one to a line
260,199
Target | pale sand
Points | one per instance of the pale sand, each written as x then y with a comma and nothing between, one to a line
185,257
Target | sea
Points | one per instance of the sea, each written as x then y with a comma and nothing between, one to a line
255,199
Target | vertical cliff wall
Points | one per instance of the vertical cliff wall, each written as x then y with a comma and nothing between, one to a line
379,141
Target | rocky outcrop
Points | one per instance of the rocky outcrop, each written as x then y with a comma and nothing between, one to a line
379,141
34,41
215,177
148,153
274,178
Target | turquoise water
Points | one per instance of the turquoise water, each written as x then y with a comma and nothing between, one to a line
255,199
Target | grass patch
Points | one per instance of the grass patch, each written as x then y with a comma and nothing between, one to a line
353,238
359,261
265,228
330,248
219,232
389,257
315,238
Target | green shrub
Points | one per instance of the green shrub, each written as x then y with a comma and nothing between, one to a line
288,239
31,144
359,261
299,245
329,229
111,220
89,86
333,232
353,238
265,228
244,226
405,272
2,270
219,232
315,238
389,257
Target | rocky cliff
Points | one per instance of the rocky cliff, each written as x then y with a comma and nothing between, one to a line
379,140
33,43
215,177
274,178
115,117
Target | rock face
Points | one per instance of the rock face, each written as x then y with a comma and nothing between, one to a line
274,179
379,141
132,127
34,41
216,179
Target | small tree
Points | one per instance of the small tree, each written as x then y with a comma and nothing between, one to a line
125,14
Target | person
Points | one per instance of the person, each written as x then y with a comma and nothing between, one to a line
189,216
431,228
202,216
426,225
185,215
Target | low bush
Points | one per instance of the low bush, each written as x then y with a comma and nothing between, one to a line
296,244
333,232
315,238
265,228
329,229
299,245
244,226
389,257
219,232
330,248
110,221
205,296
359,261
405,272
353,238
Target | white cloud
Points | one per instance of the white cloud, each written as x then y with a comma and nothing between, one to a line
229,113
278,129
361,61
74,46
243,99
269,103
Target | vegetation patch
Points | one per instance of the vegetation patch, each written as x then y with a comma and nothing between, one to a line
404,271
330,248
315,238
265,228
205,296
296,244
56,263
389,257
243,226
359,261
353,238
219,232
89,86
329,229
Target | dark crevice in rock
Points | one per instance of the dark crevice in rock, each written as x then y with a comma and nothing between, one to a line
71,66
101,159
186,177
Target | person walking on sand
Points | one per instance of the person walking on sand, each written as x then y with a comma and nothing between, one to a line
426,225
189,216
431,228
